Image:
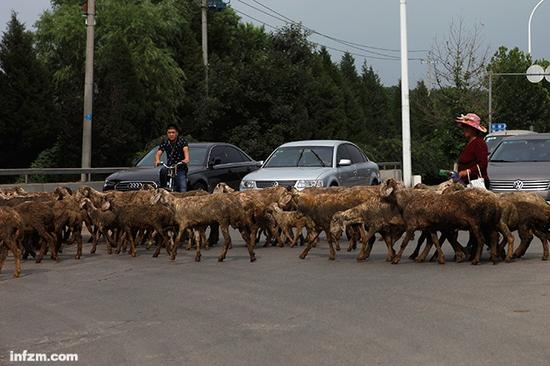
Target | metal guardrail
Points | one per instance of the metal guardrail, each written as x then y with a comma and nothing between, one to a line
87,172
389,164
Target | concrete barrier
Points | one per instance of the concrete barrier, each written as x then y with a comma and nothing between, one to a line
396,174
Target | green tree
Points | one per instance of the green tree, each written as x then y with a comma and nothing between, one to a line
27,119
516,101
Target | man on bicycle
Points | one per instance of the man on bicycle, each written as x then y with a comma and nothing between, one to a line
177,151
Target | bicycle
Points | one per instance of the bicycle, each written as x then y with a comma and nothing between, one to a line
171,172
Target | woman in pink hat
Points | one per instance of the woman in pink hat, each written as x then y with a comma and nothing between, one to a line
474,157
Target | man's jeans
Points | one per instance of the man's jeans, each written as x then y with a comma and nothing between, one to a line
180,180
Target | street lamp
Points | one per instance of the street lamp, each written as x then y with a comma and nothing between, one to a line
529,26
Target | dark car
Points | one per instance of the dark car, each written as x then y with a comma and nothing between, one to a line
211,163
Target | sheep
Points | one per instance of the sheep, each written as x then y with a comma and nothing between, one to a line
39,217
287,221
529,214
378,217
11,232
68,214
192,212
320,207
469,209
102,220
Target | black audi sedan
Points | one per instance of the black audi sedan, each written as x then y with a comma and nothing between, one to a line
210,164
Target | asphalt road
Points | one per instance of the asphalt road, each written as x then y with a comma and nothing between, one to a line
280,310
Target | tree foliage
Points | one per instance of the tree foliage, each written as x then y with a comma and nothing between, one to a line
264,88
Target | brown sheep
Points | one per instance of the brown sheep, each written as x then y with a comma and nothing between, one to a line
320,207
287,221
470,209
197,212
379,217
39,217
11,232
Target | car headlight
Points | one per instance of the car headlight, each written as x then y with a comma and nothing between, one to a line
248,184
306,183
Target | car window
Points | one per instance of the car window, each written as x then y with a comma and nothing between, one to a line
219,152
235,156
301,156
343,153
197,155
356,155
493,141
522,151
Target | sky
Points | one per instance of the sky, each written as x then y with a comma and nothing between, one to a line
376,23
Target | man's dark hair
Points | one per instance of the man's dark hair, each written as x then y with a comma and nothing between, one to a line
172,126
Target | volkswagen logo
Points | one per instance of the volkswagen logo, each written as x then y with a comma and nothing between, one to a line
518,185
275,184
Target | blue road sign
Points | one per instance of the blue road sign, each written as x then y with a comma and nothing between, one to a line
495,127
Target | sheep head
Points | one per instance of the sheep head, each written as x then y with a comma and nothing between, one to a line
389,188
162,196
223,188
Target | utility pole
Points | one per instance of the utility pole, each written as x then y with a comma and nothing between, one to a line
205,42
405,108
88,89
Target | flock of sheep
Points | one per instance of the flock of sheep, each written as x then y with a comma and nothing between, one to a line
41,223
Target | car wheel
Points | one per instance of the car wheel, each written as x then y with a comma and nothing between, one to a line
200,185
333,184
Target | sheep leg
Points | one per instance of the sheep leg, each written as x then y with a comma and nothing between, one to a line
17,256
331,246
435,240
77,234
364,253
429,244
408,237
526,237
505,231
493,236
3,254
250,247
388,239
459,250
297,235
480,243
214,236
198,243
174,249
421,240
311,241
545,249
227,241
131,236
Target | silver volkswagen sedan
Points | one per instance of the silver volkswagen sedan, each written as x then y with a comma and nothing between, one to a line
521,163
314,163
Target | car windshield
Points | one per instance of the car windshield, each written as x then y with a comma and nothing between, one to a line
196,154
493,141
301,156
522,151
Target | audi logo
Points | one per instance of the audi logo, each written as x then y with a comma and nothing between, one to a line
518,185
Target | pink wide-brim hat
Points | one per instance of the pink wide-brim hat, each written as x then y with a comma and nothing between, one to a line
472,120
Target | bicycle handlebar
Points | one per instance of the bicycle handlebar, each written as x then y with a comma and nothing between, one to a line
173,166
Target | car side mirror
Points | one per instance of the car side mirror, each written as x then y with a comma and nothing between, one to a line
344,162
214,162
260,163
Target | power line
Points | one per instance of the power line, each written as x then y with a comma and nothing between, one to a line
322,45
330,37
287,20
